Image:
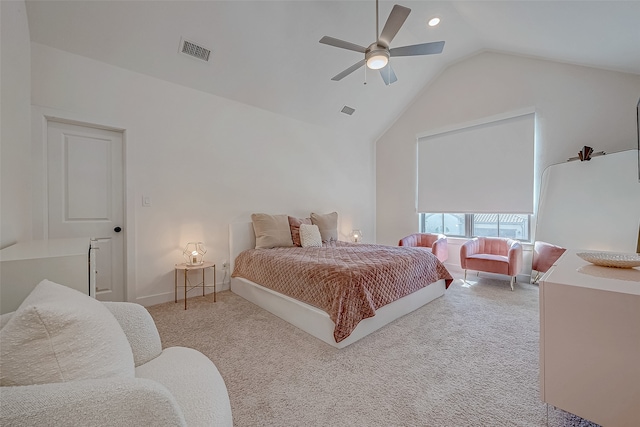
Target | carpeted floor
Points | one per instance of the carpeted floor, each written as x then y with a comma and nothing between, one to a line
467,358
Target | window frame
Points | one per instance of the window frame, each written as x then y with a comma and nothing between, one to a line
469,224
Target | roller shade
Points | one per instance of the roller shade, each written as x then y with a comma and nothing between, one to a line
482,168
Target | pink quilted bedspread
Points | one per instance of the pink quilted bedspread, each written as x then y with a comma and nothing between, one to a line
348,281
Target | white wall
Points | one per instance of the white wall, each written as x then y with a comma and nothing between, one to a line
242,160
15,111
575,106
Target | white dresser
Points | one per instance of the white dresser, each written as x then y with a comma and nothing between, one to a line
69,262
590,341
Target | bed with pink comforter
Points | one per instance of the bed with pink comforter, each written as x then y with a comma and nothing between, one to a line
348,281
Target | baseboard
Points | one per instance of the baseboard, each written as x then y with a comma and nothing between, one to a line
150,300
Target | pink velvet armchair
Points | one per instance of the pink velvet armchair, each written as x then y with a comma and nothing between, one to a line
492,255
437,243
544,255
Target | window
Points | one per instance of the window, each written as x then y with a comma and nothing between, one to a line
451,224
512,226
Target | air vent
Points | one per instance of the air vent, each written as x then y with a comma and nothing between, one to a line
347,110
192,49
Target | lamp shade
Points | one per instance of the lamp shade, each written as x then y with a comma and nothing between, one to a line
194,253
377,57
377,62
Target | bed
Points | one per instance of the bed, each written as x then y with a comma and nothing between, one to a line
315,317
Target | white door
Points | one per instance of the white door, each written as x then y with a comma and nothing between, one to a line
85,197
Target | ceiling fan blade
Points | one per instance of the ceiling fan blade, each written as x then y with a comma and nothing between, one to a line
342,44
388,75
418,49
395,20
349,70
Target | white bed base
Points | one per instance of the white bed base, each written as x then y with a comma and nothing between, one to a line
311,319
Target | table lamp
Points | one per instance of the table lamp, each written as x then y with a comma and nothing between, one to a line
194,253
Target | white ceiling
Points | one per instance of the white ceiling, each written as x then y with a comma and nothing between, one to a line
266,53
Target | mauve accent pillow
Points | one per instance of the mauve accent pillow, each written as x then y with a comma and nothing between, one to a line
328,225
294,225
271,230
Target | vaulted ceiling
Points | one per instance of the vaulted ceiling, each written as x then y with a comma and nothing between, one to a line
267,54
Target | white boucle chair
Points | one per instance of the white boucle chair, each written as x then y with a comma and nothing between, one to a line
176,386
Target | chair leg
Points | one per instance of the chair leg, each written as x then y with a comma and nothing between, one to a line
535,279
513,279
465,276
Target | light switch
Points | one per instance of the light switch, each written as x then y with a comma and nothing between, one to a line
146,201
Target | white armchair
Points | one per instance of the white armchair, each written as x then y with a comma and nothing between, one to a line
176,386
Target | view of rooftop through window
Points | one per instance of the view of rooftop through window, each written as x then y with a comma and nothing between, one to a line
513,226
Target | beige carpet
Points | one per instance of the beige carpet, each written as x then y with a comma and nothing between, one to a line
467,358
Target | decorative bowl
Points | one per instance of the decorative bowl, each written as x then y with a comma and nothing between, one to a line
611,259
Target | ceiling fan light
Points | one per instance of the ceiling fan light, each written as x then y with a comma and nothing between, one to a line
377,61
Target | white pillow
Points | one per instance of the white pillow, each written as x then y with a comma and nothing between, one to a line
59,334
310,236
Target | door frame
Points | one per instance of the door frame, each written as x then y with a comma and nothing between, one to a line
40,116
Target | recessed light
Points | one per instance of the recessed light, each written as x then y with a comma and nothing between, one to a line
434,21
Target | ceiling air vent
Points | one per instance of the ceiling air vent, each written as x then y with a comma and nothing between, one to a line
347,110
192,49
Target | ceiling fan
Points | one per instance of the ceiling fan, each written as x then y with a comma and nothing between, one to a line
377,55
